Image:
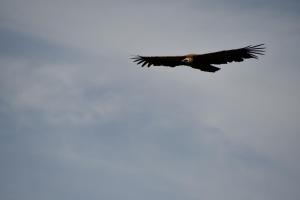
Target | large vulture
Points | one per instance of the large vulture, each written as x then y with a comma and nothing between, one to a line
203,61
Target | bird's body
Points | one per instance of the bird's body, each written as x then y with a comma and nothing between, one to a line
203,62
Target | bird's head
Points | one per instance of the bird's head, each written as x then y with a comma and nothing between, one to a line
187,60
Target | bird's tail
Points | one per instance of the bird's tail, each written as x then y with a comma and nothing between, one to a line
208,68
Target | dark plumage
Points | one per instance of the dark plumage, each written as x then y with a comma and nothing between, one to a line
203,62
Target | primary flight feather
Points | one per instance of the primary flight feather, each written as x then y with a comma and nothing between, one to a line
203,62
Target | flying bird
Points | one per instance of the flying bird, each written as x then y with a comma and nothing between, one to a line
203,62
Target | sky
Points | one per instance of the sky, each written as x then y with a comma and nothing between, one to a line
80,120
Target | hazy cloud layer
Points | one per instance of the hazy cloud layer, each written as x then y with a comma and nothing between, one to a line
79,120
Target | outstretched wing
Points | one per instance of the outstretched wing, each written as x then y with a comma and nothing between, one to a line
234,55
170,61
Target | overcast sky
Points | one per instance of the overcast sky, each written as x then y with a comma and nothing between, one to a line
79,120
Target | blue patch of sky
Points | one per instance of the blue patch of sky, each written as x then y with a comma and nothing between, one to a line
282,7
23,45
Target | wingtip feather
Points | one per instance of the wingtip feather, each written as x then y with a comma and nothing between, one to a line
255,50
